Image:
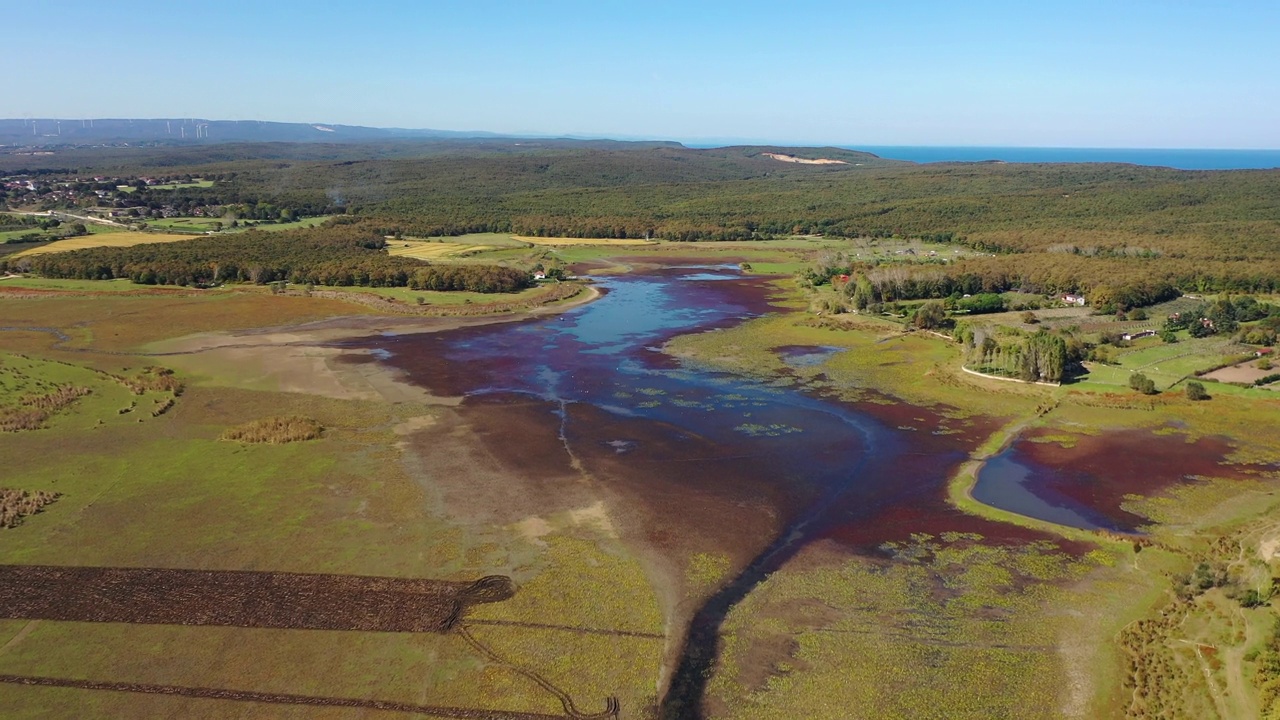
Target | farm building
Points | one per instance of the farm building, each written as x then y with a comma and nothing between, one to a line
1138,335
1073,300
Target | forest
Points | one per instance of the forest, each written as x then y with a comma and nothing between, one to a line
1126,235
330,256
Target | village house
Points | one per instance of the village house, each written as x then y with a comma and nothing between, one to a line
1073,300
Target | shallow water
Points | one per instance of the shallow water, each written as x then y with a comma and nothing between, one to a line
753,469
1011,482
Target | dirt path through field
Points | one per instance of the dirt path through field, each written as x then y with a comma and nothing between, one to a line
277,698
21,635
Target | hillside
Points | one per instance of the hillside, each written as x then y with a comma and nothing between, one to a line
1051,227
52,132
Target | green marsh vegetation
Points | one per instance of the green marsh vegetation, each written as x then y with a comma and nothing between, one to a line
953,623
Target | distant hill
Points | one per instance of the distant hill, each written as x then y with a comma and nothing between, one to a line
46,132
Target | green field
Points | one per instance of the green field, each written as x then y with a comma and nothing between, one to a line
1166,364
91,286
92,228
950,608
207,224
175,186
8,235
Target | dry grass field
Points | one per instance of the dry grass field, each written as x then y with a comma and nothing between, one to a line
115,239
430,250
581,241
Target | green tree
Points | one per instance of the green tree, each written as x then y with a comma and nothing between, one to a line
1196,391
1142,384
930,316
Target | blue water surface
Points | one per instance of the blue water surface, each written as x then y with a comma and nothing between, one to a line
1181,159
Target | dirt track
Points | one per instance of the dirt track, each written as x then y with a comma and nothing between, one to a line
277,698
240,599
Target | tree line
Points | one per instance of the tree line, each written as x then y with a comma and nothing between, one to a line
331,256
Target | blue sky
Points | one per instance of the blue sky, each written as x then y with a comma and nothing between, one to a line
1121,73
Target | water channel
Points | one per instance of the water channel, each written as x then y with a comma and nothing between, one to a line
680,438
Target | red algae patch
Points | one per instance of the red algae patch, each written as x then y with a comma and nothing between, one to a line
1093,475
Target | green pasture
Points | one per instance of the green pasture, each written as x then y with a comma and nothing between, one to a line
1164,363
94,286
92,227
8,235
206,224
175,186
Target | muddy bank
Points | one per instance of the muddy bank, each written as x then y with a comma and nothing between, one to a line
1084,483
317,357
689,462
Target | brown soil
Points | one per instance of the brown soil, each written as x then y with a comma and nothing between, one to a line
1245,372
240,599
479,457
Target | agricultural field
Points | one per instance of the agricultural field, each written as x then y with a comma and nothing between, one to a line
114,239
212,224
432,251
1166,364
198,183
94,287
504,240
44,235
565,241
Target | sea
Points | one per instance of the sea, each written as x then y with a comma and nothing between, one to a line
1179,159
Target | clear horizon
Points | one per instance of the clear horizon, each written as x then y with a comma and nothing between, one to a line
1093,75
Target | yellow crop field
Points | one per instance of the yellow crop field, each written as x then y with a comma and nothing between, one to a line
581,241
431,251
115,239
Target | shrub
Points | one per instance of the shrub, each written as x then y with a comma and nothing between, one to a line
275,430
17,504
1196,391
1142,384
